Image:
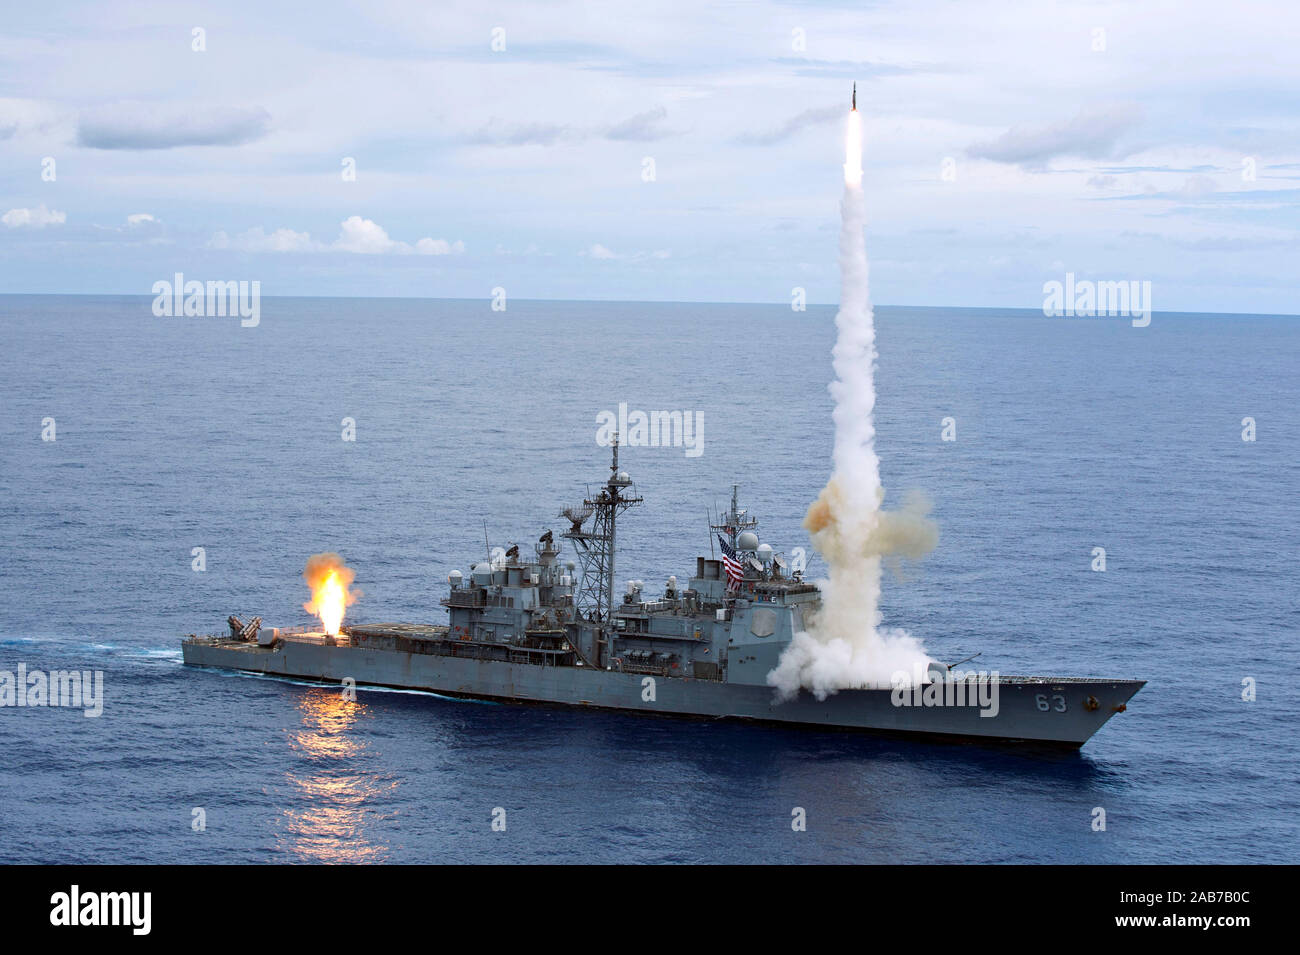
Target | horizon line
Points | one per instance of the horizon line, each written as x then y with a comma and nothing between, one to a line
650,302
634,301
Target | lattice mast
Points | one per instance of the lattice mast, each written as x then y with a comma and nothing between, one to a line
596,547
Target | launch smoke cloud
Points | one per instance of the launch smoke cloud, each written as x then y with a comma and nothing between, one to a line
844,646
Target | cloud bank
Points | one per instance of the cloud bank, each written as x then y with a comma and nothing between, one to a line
149,126
1093,133
36,218
795,124
357,235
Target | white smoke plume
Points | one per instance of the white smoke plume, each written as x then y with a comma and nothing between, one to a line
844,646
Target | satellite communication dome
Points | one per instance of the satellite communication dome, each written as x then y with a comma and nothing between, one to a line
455,576
764,552
747,541
622,478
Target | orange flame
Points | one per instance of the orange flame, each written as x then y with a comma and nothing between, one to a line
329,579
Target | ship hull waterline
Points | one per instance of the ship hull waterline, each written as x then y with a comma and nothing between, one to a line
1049,711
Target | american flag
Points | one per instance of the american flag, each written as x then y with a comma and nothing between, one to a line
734,572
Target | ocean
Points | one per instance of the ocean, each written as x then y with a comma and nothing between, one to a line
172,434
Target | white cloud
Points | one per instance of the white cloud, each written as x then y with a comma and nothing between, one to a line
808,119
1093,133
140,218
603,253
357,235
643,127
439,247
23,116
1103,182
365,237
529,251
255,240
36,218
646,126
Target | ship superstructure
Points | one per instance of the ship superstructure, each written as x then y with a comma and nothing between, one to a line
543,611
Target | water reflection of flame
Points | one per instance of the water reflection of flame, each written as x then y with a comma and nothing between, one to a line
333,816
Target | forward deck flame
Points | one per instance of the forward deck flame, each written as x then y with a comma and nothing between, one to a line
329,579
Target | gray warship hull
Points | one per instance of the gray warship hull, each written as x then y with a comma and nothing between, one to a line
536,630
1051,711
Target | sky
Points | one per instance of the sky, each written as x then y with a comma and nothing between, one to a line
682,151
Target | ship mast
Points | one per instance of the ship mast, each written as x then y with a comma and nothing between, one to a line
734,523
596,547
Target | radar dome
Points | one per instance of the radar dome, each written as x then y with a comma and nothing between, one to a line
747,541
764,552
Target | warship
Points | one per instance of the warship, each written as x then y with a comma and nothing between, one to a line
538,630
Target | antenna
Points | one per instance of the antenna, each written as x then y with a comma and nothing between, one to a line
596,546
735,521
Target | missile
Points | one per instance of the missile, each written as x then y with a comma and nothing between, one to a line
855,98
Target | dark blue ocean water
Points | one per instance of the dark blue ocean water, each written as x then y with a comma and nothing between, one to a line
1071,434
